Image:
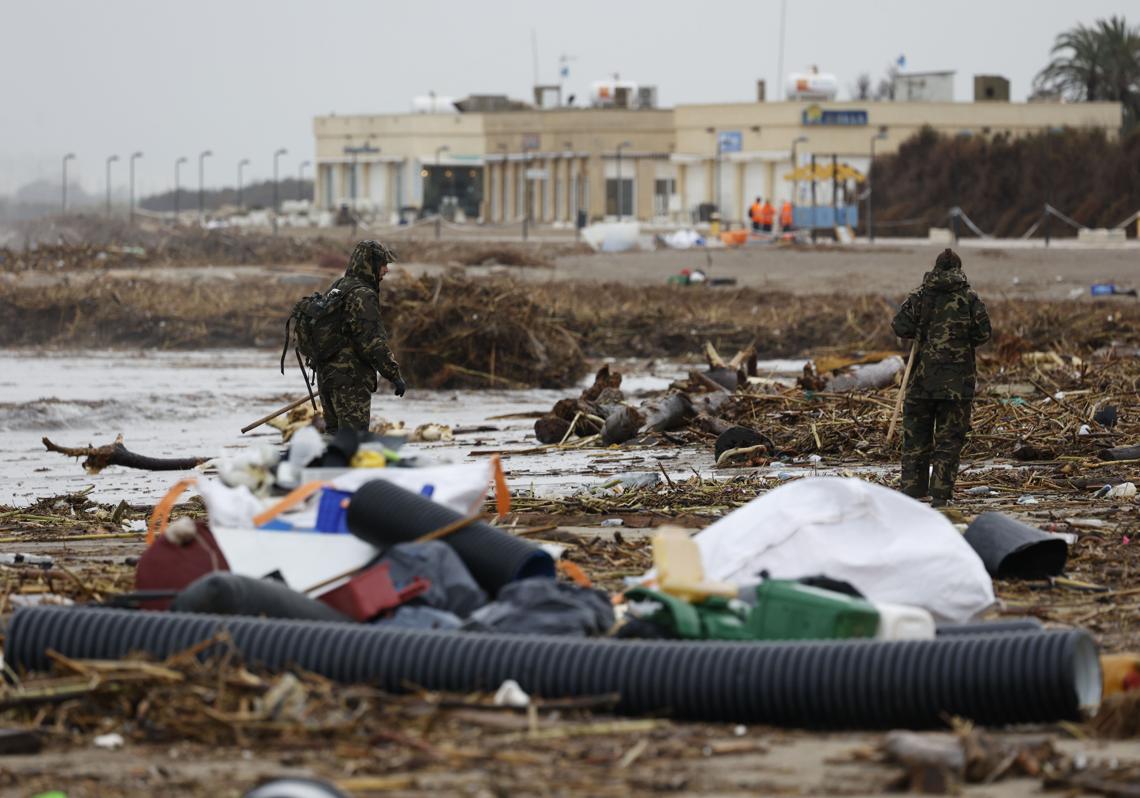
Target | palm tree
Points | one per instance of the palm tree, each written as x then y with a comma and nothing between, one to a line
1101,62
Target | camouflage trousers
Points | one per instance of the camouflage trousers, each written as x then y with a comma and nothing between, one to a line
346,405
933,434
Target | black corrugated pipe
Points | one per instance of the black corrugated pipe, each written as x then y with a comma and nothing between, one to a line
1004,626
866,684
384,515
222,593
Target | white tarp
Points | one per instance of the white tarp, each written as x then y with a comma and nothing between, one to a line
612,236
888,546
683,239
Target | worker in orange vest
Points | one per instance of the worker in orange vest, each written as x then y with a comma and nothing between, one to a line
786,216
767,216
756,214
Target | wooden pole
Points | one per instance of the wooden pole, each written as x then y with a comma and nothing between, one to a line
274,414
902,390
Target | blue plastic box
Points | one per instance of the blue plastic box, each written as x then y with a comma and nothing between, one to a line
332,512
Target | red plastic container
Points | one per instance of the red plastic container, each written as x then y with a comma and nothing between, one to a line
371,592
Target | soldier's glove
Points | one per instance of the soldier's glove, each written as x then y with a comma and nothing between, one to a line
400,386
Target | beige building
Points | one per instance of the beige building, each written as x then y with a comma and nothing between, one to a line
657,165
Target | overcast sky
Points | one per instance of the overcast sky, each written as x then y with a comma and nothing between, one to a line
244,77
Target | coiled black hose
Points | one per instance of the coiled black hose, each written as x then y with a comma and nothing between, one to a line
991,679
384,515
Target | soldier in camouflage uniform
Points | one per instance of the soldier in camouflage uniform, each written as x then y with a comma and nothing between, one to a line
948,320
347,378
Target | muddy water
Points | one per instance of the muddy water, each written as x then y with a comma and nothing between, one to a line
171,404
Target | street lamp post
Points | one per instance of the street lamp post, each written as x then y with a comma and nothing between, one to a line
63,198
620,192
202,156
1049,182
276,155
439,197
131,211
957,184
301,177
177,190
110,160
244,162
880,136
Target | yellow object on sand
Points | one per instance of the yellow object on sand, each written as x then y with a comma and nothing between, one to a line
367,458
680,571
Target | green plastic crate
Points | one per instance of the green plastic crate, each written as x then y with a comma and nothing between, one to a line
792,611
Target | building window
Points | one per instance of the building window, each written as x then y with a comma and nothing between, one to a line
626,199
663,188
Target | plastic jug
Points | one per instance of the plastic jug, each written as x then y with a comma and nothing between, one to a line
903,622
680,571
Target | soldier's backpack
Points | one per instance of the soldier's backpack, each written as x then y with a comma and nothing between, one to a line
317,334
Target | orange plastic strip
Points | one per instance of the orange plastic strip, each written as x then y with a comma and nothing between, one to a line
160,516
502,492
292,500
576,574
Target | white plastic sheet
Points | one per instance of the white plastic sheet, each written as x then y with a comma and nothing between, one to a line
890,547
305,558
867,376
460,487
301,558
612,236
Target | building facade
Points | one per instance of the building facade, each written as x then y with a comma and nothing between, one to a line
656,165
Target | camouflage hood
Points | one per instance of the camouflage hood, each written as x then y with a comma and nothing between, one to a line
364,264
945,280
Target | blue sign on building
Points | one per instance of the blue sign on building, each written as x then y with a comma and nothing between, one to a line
730,140
814,115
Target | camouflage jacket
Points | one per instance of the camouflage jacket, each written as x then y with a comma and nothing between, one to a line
363,342
948,319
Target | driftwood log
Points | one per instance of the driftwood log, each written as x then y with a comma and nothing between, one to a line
587,413
668,412
99,457
621,425
1120,453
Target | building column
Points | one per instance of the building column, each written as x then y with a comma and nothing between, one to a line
644,176
550,188
505,186
390,199
683,188
596,175
738,211
567,196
